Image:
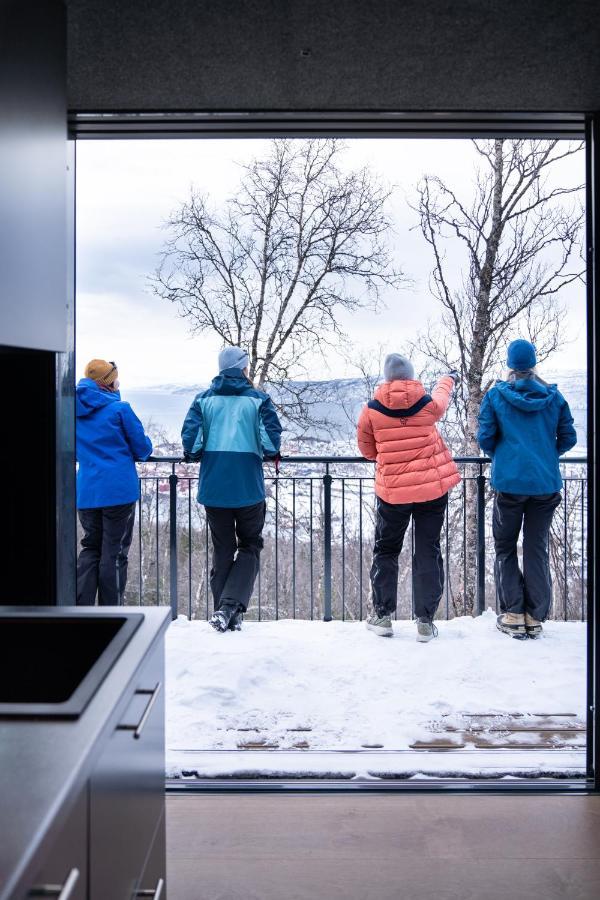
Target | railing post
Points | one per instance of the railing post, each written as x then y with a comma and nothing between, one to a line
480,541
327,480
173,542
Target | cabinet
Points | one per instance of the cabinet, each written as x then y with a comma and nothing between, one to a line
64,875
127,791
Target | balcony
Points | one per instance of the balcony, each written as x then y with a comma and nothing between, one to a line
304,677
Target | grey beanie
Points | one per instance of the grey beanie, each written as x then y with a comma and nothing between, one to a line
232,358
398,368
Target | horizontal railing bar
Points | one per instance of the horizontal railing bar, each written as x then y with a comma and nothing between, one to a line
475,460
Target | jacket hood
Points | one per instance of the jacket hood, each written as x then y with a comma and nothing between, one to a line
230,381
89,397
399,394
527,394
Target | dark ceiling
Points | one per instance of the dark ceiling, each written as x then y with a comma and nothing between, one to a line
176,55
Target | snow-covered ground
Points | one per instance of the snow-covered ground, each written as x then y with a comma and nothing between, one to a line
334,687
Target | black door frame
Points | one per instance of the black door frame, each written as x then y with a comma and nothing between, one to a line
355,124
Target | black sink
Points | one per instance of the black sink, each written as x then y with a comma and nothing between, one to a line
52,664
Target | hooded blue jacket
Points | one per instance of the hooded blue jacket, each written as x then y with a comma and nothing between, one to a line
525,426
231,427
110,437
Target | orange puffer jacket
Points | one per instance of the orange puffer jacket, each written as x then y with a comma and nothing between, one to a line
397,429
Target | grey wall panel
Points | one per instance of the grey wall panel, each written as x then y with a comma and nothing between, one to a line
32,174
513,55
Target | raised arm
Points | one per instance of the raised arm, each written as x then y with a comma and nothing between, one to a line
566,436
192,435
441,395
487,434
364,435
139,442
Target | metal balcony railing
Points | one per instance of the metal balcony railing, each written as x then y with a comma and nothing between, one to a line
318,542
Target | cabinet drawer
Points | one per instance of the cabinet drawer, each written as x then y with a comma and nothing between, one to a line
153,882
127,789
65,872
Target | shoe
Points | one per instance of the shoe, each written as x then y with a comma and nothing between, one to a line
222,617
235,623
381,625
426,630
513,624
533,627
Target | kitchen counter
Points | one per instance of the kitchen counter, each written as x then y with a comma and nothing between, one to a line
45,763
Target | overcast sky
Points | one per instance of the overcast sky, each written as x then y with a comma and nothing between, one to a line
125,191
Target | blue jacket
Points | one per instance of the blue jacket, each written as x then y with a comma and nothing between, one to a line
525,426
231,427
110,437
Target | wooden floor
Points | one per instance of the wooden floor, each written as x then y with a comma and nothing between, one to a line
374,847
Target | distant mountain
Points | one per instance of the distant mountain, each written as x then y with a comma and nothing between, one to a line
335,405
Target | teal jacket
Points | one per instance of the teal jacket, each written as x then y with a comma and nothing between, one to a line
231,428
525,426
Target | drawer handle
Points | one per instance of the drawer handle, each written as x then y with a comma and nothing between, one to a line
137,729
61,892
156,894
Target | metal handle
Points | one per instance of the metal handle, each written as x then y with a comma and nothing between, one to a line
156,894
61,891
137,729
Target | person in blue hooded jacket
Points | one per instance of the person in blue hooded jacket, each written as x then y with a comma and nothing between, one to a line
525,425
109,438
231,428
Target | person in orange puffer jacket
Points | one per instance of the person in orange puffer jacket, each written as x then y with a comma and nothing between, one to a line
414,473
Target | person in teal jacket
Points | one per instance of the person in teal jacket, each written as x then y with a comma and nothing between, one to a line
109,440
230,428
525,425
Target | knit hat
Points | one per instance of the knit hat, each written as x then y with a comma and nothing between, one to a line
102,372
398,368
232,358
521,356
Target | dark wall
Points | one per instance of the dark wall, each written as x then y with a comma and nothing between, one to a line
514,55
34,301
27,464
32,174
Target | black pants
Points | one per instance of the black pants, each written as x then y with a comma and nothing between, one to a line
102,563
428,566
530,590
237,542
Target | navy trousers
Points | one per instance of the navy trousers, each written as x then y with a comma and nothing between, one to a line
529,590
102,563
237,541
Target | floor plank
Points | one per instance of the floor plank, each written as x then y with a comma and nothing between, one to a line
373,846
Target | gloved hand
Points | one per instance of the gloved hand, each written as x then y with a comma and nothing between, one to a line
454,374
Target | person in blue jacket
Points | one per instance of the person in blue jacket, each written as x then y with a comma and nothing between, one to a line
231,428
110,438
525,425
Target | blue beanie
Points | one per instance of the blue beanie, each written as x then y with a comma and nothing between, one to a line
232,358
521,355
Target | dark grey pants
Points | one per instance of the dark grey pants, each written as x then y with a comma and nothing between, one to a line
428,566
102,563
530,590
237,541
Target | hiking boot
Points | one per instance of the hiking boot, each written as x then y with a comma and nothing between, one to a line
513,624
533,627
381,625
222,617
426,630
235,623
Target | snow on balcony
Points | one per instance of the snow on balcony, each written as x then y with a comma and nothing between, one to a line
341,701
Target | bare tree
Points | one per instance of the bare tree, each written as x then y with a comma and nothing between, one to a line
301,241
520,234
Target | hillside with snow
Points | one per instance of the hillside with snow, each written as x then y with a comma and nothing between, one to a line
335,409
